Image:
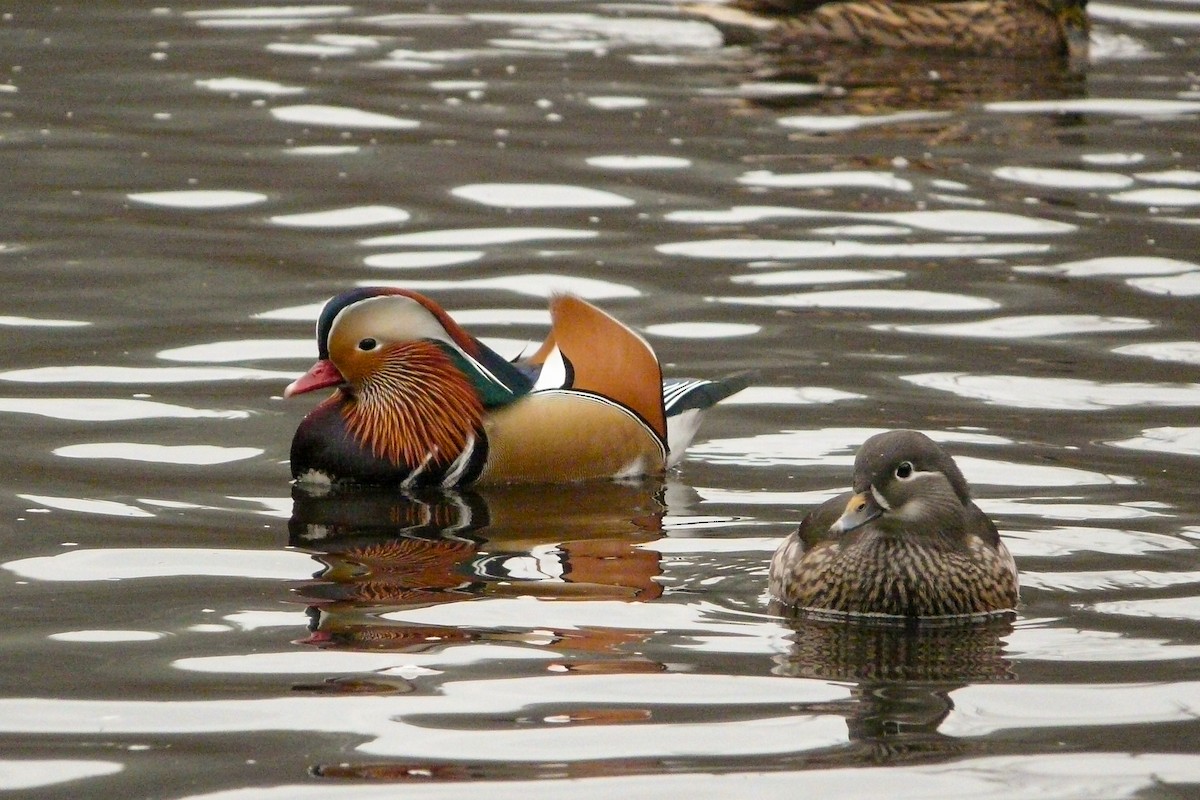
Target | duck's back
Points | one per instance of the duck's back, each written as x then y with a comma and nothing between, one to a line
1011,27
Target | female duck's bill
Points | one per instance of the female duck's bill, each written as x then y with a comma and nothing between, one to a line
906,541
419,401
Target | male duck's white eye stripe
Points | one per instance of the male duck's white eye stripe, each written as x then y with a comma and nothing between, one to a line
884,504
484,371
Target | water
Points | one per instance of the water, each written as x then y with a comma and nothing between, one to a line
1001,254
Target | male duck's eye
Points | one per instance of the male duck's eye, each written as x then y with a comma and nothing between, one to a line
905,470
368,344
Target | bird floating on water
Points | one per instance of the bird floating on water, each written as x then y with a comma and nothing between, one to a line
907,541
979,27
418,401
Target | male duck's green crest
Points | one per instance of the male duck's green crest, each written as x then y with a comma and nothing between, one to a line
419,401
906,541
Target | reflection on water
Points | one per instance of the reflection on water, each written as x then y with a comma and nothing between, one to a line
999,252
903,677
383,552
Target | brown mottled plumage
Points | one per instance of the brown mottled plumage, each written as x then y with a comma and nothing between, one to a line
982,27
907,541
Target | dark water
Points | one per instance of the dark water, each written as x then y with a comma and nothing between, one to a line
1001,254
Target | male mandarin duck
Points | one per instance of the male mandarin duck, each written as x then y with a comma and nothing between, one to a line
907,541
418,401
979,27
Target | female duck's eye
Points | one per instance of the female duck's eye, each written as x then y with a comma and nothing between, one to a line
368,344
905,470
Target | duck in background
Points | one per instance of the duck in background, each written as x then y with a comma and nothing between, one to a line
1027,28
418,401
907,541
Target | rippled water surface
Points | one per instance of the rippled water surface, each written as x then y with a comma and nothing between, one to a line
1003,254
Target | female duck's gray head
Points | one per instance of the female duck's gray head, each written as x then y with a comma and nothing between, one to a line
906,474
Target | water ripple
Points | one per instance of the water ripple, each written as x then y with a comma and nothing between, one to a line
1030,777
241,350
1066,541
809,277
1182,441
423,259
1024,327
239,86
890,299
1029,643
789,396
1186,609
140,375
1185,285
840,180
957,221
195,454
1059,394
199,198
30,322
539,195
533,285
1116,265
984,709
1063,178
1129,106
95,409
341,117
787,249
475,237
1159,197
357,216
133,563
29,773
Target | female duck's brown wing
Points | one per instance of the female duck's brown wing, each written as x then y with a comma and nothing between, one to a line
814,528
1015,27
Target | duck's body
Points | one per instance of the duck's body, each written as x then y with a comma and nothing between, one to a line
907,541
420,402
982,27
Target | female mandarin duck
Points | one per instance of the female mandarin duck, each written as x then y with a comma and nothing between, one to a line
907,541
981,27
420,402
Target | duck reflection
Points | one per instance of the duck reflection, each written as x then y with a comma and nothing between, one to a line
387,551
903,676
935,99
876,84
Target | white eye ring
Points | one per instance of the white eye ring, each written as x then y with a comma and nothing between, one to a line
904,470
367,344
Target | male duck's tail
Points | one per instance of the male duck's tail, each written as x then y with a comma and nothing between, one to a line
686,399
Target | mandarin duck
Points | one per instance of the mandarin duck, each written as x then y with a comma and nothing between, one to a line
418,401
907,541
977,27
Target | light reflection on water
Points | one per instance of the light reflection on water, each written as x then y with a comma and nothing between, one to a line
998,253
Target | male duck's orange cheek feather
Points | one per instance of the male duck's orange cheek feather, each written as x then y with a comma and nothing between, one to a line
321,374
416,406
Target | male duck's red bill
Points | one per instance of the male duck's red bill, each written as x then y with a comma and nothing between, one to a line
419,401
